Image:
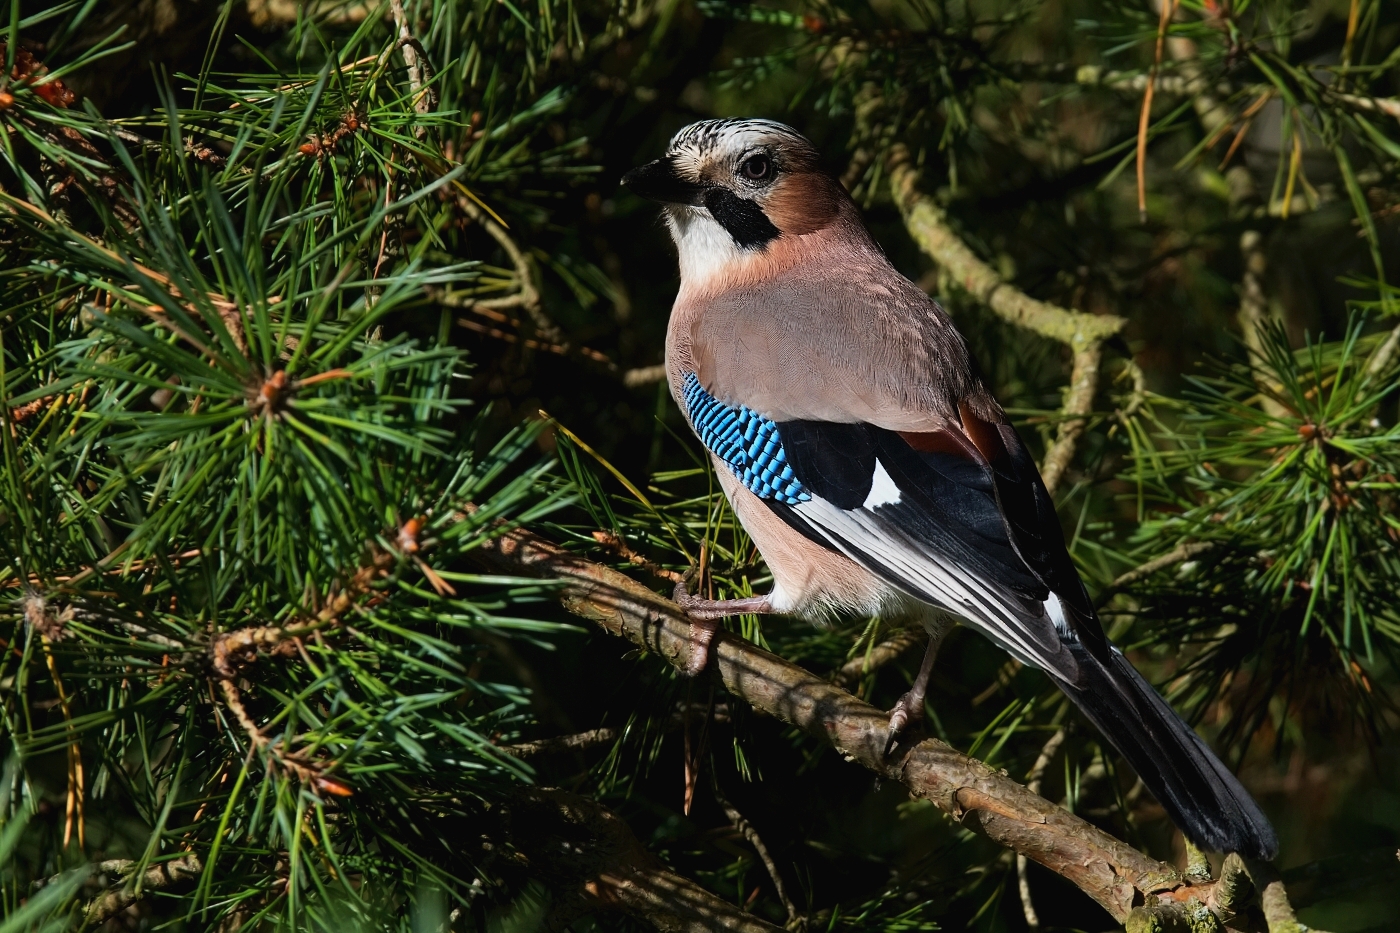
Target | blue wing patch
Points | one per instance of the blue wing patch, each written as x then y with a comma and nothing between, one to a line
746,441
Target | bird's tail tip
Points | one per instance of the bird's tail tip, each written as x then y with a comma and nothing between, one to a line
1203,798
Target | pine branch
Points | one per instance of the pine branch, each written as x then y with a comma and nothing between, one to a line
644,375
850,673
1112,873
594,861
576,742
1033,779
1083,333
586,853
156,878
1176,555
415,58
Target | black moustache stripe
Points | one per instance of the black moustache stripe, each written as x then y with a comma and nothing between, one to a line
744,220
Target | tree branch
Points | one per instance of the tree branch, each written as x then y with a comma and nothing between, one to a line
1037,772
1176,555
928,224
615,543
747,830
588,854
644,375
1111,872
850,673
1083,333
528,294
416,60
1380,360
1254,316
1078,405
107,905
575,742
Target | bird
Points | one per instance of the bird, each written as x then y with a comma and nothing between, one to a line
867,460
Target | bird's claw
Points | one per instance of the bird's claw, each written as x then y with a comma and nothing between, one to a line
704,615
701,633
702,630
905,711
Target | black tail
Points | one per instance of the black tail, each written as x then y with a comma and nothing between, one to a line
1199,793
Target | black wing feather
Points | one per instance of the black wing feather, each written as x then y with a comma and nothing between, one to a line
973,505
834,461
948,500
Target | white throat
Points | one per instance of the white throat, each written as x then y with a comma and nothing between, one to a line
706,249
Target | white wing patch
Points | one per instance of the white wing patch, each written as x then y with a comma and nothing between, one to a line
1056,610
883,491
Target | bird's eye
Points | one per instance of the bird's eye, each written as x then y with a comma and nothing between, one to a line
757,167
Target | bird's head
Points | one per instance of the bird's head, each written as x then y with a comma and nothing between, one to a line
735,188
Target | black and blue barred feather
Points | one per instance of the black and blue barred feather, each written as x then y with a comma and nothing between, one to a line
746,441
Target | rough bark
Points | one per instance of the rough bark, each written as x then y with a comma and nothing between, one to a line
1114,874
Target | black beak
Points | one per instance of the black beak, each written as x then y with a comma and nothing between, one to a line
658,181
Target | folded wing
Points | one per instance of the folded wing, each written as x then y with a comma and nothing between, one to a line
957,515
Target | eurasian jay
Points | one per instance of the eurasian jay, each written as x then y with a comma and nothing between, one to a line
867,460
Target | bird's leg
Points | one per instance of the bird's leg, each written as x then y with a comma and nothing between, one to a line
910,707
704,620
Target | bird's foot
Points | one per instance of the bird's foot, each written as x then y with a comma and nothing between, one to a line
704,620
908,709
702,632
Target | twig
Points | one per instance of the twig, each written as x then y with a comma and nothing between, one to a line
76,790
982,799
267,14
747,830
1380,360
1083,333
121,896
1136,83
228,310
644,376
1176,555
1145,117
1005,674
230,651
1234,890
20,412
614,543
1273,899
928,224
1389,106
1037,772
592,861
1078,405
850,673
302,768
1191,82
1254,316
528,295
416,60
557,348
577,742
1197,864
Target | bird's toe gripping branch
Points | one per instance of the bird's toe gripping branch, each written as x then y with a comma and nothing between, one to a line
704,620
910,707
907,709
